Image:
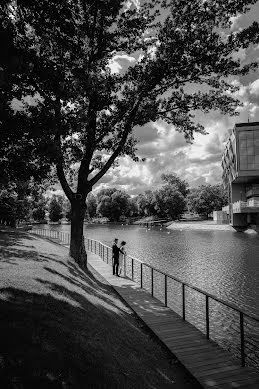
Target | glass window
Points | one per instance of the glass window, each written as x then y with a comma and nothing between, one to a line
257,159
250,159
256,134
249,135
256,142
242,144
243,152
250,142
242,135
250,166
256,150
243,166
250,151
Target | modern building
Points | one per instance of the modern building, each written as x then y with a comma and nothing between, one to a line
240,163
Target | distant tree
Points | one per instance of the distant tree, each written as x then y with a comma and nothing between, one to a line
146,203
169,202
86,114
207,198
15,202
133,209
113,206
55,209
91,203
39,212
172,179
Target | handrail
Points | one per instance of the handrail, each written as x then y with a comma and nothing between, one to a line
208,296
62,236
230,305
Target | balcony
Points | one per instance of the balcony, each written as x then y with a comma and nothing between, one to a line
250,206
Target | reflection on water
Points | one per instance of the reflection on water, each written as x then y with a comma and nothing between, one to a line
222,263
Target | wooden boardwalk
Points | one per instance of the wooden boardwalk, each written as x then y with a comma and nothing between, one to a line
213,367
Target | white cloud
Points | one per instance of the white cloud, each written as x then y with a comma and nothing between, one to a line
235,21
254,87
115,65
240,54
130,3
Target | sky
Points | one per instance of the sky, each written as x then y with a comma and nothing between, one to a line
166,150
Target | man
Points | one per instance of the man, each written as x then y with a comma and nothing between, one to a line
115,257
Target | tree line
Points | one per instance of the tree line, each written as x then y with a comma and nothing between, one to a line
169,202
74,111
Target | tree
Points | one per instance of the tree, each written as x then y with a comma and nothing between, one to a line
55,209
85,114
38,213
172,179
170,203
207,198
91,204
113,206
145,203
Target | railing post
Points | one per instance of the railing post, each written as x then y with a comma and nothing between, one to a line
141,275
183,295
91,246
95,247
132,269
107,256
242,339
152,281
207,318
165,290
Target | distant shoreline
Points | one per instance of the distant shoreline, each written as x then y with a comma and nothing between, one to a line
206,225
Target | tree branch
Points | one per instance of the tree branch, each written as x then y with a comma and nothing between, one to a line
63,181
116,153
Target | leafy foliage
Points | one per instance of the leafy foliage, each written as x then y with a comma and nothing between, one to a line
85,113
55,209
79,112
172,179
170,203
113,204
207,198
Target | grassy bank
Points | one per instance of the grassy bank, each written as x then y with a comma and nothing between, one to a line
61,328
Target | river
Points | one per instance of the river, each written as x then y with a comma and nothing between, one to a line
222,263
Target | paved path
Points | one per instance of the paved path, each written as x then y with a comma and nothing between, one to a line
213,367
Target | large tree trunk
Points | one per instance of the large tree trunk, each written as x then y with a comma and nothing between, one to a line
77,246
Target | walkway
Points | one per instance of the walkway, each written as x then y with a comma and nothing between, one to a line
213,367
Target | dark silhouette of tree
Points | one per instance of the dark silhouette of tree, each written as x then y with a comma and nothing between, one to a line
84,113
55,209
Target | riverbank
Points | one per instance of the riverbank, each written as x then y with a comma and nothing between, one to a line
208,225
62,328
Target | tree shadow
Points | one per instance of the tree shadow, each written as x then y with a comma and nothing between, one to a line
49,343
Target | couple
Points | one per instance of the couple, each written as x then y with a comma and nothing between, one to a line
118,254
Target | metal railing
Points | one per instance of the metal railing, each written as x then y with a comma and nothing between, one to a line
55,235
130,271
105,252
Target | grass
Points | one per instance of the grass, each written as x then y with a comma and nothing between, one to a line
63,328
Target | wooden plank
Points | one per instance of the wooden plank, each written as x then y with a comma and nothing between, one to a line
212,366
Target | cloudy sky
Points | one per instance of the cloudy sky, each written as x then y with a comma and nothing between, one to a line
165,149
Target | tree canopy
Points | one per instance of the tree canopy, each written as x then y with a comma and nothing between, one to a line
207,198
81,113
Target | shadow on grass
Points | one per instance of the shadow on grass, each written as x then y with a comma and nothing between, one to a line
48,343
74,332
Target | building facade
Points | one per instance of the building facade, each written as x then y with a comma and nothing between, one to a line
240,164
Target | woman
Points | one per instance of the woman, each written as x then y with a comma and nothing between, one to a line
122,263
